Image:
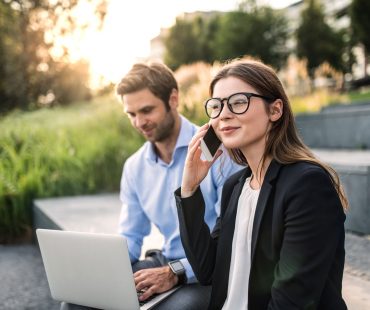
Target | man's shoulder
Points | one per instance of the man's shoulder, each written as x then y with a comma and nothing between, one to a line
138,158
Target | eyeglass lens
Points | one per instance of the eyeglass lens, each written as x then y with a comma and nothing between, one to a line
238,104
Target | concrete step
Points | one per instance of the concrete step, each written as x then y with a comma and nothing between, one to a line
356,292
353,167
347,126
95,213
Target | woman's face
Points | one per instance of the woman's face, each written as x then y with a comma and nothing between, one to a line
243,131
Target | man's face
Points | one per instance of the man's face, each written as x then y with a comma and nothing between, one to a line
149,115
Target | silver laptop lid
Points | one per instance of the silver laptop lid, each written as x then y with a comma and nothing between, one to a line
88,269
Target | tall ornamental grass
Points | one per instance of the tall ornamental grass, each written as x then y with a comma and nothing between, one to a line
59,152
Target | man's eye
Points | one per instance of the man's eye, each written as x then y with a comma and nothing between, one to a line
147,111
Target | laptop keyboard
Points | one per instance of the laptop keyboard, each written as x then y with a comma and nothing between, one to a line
143,302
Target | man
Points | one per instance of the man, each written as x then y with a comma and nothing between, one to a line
150,176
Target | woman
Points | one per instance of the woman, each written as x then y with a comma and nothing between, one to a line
279,240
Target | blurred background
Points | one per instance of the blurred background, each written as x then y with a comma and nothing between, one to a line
62,129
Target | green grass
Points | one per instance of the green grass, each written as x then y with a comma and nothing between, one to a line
59,152
359,96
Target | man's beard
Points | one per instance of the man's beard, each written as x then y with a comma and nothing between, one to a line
164,129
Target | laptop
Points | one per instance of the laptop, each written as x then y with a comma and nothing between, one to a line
91,269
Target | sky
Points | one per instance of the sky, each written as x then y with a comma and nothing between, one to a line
130,25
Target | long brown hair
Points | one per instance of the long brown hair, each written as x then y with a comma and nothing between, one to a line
283,142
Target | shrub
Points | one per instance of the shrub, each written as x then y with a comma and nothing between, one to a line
60,152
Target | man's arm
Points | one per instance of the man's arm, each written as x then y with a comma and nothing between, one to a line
133,223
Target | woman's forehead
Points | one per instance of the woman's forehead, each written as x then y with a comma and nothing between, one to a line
231,85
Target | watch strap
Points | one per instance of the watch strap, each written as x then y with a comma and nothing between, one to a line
181,275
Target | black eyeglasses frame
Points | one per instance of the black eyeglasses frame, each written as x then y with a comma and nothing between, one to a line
247,94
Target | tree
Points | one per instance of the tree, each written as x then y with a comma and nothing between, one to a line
29,31
317,41
260,32
11,86
188,41
360,12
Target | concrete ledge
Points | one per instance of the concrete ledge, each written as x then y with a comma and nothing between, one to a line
345,127
90,213
95,213
353,168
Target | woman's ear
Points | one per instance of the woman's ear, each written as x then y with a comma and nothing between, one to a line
276,110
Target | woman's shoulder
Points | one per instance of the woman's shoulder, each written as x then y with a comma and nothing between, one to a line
304,170
304,167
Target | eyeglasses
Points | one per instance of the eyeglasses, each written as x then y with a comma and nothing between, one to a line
238,103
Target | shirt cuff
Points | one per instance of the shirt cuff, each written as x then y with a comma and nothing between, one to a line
188,271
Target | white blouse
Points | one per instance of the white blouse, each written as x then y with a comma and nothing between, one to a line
237,293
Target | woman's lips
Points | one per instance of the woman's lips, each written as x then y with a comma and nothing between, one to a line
228,129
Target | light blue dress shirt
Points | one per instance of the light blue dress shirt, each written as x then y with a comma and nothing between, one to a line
147,195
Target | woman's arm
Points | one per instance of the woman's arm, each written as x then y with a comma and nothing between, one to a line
200,247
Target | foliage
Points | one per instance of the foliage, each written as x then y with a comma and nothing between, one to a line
317,41
260,32
193,81
33,63
188,41
59,152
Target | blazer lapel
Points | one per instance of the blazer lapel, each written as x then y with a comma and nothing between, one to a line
263,198
232,207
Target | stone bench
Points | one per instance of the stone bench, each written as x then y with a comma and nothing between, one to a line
90,213
342,127
353,168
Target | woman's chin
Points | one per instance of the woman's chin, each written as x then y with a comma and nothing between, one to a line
230,144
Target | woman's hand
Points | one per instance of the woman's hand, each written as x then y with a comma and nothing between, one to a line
195,169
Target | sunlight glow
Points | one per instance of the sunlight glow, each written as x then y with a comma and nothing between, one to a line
128,28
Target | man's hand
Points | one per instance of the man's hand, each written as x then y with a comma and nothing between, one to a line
154,281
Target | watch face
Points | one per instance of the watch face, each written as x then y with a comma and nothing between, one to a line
177,266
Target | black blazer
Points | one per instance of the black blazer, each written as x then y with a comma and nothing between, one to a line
297,254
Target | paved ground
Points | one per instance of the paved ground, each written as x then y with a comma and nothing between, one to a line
23,283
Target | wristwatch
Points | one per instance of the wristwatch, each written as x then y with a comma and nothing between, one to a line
178,269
